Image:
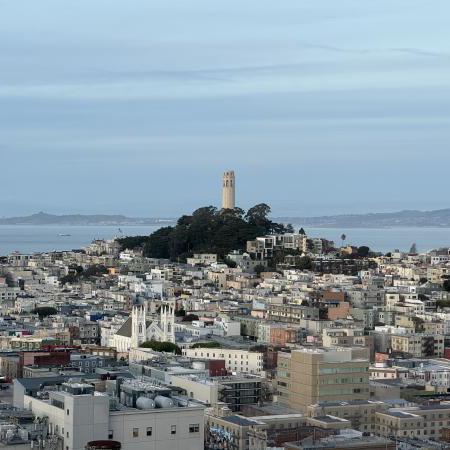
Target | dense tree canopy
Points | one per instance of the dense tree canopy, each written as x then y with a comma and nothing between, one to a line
363,251
76,273
443,303
180,313
446,285
190,318
95,270
207,230
44,311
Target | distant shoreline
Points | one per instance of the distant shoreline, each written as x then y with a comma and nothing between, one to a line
29,239
295,223
403,219
96,224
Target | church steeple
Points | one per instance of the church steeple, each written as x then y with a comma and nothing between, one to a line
138,325
167,321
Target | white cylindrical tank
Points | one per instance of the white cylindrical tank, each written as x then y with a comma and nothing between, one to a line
145,403
163,402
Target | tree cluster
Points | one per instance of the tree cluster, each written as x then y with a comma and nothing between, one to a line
446,285
44,311
207,230
190,318
443,303
77,273
212,344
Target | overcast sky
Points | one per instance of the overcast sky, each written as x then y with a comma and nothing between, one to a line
138,106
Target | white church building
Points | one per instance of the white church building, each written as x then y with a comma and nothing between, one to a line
137,329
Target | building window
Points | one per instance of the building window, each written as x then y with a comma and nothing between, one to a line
135,432
194,428
173,429
67,412
110,434
149,431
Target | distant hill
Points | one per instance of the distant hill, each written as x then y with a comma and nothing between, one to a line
42,218
407,218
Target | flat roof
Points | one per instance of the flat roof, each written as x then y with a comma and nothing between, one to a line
350,403
329,419
243,421
278,417
401,414
433,407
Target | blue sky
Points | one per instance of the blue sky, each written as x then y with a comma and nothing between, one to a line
137,107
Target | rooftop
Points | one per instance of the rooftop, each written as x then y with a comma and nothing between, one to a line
343,440
401,414
350,403
330,419
242,421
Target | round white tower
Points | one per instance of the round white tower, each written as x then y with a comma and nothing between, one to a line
228,190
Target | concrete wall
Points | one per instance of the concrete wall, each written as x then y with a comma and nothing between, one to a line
122,424
206,392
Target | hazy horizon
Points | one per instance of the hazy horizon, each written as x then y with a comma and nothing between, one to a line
199,206
137,107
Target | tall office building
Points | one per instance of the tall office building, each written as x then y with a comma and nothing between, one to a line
228,190
308,376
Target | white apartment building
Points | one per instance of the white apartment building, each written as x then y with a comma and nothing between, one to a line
199,329
434,374
439,259
263,247
196,328
242,361
205,259
226,327
52,280
7,293
78,415
108,329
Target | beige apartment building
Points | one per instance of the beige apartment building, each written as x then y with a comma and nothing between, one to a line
346,337
437,274
360,413
419,345
308,376
421,422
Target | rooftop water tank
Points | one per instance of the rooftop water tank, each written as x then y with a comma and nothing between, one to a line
163,402
145,403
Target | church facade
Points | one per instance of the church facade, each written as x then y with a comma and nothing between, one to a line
137,329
